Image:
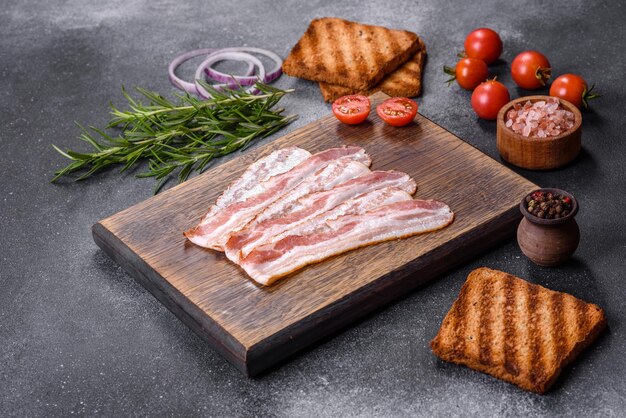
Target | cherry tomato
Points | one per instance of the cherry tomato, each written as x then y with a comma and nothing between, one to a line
488,98
483,44
352,109
530,70
572,88
470,72
397,111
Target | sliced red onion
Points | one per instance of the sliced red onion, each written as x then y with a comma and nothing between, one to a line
220,56
248,80
191,87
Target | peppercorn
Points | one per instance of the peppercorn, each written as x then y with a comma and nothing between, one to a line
548,205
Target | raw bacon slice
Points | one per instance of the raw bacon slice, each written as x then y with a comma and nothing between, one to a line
265,229
216,226
278,162
249,184
336,172
266,263
356,206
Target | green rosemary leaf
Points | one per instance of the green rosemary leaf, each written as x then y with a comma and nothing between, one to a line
179,136
63,153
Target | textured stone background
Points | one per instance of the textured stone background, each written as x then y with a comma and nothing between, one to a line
78,335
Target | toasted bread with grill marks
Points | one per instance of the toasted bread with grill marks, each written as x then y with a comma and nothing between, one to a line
516,331
349,54
406,81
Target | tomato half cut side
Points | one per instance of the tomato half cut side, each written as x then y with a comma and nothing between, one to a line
397,111
352,109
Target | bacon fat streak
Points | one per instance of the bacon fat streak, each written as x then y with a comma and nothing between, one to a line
290,209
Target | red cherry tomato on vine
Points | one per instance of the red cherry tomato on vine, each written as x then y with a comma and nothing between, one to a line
397,111
531,70
488,98
483,44
352,109
469,72
572,88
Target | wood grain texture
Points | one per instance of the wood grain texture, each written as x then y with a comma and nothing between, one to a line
539,153
256,327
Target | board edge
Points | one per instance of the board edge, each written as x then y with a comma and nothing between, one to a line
185,310
268,353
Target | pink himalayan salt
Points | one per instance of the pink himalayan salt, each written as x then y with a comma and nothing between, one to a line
541,119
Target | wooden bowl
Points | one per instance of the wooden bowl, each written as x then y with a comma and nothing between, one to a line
538,153
548,242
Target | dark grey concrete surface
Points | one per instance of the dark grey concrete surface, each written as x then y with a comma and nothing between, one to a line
79,336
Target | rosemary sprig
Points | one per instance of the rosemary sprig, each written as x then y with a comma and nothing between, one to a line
180,137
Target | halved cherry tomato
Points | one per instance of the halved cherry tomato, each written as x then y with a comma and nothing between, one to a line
531,70
483,44
352,109
572,88
397,111
488,99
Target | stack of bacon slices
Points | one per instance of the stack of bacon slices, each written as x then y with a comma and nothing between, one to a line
293,208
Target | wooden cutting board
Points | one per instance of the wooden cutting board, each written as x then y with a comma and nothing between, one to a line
256,327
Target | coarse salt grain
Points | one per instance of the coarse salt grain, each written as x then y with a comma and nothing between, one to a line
541,119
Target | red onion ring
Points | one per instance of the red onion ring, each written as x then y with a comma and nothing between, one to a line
220,56
191,87
248,80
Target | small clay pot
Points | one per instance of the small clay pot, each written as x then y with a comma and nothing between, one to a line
548,242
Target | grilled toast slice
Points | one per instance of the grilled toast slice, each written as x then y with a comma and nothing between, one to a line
406,81
349,54
516,331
